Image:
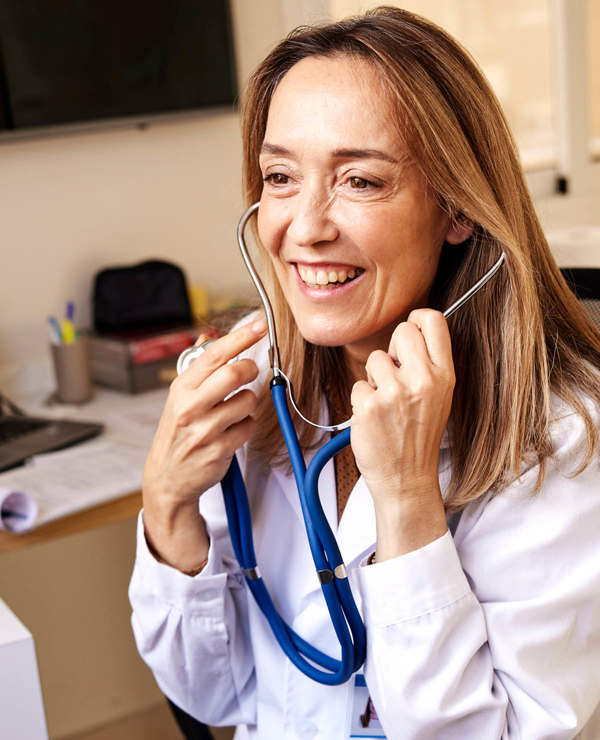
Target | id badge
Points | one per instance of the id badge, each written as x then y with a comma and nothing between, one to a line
361,716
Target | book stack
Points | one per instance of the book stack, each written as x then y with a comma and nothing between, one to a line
136,361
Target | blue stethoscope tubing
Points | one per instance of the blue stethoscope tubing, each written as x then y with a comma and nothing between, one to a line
331,571
345,617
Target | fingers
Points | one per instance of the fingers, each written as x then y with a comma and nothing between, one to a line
361,391
408,346
223,447
381,369
432,341
399,415
224,381
211,429
234,409
419,346
222,350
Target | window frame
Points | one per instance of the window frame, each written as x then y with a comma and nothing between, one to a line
575,161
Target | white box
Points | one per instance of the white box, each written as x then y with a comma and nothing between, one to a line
21,706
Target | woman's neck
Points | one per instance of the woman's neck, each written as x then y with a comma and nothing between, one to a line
356,365
357,353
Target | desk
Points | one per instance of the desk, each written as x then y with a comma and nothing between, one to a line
105,469
67,581
97,516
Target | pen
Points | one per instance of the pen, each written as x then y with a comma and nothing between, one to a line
55,331
68,325
68,331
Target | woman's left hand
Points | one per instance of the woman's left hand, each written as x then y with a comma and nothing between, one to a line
399,417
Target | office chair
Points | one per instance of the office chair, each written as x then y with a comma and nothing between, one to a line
585,283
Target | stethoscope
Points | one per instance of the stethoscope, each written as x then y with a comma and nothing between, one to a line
331,571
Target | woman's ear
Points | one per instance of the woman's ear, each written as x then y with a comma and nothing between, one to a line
460,229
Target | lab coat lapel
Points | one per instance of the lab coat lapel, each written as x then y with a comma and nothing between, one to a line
287,485
305,579
356,534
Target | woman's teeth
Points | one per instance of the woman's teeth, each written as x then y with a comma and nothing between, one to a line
321,278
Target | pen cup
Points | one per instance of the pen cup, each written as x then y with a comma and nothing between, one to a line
72,371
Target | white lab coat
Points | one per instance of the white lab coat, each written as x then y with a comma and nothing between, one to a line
491,633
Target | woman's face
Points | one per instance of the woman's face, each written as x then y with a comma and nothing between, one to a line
347,221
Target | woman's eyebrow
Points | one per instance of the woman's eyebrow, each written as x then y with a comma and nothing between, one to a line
268,148
363,154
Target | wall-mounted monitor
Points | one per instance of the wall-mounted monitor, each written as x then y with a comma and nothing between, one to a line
72,62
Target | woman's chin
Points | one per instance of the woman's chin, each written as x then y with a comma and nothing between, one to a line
327,336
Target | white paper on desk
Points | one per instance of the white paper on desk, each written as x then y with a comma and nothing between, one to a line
61,483
136,422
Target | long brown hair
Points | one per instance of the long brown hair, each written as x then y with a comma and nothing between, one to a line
519,339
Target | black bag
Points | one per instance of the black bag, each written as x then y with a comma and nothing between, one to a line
150,295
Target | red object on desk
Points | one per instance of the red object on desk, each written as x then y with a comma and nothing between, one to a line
134,361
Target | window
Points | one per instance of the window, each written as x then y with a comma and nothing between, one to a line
512,42
592,23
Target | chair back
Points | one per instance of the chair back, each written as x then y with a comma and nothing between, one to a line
585,283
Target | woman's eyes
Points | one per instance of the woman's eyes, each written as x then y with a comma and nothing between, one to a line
359,183
277,178
354,182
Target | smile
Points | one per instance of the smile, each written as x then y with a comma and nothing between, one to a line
323,278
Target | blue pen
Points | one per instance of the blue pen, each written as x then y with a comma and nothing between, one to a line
70,313
55,330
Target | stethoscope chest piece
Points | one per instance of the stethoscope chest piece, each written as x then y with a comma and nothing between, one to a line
188,355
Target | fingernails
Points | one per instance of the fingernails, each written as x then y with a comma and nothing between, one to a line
201,339
259,326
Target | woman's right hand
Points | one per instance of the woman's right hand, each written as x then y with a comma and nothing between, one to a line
197,436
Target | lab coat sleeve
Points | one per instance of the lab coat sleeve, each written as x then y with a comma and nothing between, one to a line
193,634
495,633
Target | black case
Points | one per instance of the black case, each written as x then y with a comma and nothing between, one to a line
149,295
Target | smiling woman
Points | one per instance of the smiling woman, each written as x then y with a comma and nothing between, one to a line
336,200
468,506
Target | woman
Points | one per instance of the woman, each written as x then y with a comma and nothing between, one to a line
388,184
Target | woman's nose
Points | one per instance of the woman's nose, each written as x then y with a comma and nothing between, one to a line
312,221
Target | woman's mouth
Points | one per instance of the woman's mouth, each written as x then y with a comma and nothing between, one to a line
325,278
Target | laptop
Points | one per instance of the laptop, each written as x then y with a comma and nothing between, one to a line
22,436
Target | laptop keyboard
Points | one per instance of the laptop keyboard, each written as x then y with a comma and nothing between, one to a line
11,429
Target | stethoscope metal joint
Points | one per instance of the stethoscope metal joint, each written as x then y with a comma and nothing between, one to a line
330,568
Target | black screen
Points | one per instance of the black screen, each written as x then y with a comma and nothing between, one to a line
70,61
